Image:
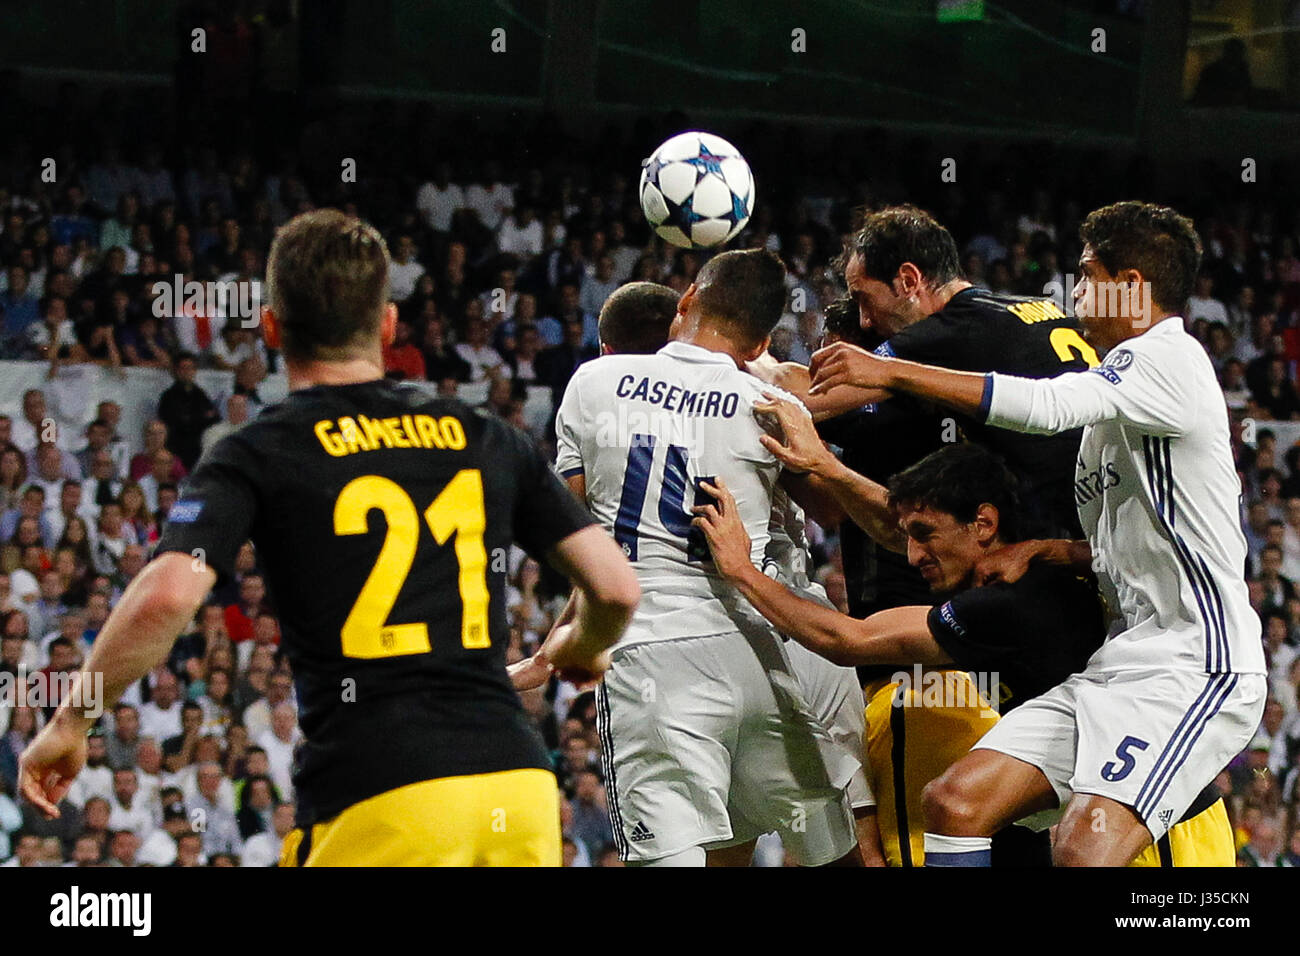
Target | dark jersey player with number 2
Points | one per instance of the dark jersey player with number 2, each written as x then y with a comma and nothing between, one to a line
377,511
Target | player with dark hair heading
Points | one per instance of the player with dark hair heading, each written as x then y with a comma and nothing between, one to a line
1177,690
373,508
904,279
707,739
832,692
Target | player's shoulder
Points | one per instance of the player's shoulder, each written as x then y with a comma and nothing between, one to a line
1166,350
976,303
609,368
759,391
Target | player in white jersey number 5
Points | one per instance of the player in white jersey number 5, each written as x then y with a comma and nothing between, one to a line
1177,690
708,740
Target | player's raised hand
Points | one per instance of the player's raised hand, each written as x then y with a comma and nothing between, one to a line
1007,565
49,765
720,521
845,364
803,449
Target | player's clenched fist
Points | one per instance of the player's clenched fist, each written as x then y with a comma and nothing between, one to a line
845,364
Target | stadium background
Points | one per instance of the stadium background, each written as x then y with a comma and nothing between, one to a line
220,147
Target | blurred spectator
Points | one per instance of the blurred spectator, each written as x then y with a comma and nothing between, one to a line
186,410
404,271
439,199
441,361
483,360
403,359
236,417
263,849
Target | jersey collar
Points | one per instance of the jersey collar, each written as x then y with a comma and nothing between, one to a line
686,352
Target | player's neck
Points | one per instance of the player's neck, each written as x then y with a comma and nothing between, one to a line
707,338
346,372
932,302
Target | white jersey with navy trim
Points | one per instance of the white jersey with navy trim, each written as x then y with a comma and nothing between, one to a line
643,430
1158,496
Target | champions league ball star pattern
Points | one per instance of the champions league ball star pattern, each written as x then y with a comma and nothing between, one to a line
697,190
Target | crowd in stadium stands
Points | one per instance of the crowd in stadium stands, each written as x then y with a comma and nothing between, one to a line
499,272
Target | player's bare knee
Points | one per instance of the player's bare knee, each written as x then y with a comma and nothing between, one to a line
950,809
1070,849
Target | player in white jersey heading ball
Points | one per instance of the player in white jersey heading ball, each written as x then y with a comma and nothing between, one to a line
707,738
1177,690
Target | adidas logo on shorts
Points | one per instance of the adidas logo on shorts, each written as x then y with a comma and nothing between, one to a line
640,833
1164,818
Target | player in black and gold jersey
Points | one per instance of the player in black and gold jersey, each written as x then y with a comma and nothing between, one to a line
382,517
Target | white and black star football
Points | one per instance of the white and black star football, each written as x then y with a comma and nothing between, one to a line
697,190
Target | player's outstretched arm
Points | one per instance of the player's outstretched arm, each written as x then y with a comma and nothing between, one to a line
136,638
843,364
796,380
865,502
1010,563
607,596
897,636
1141,388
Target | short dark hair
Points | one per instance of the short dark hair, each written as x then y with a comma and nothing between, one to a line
956,480
1155,240
743,290
898,234
843,320
328,279
635,318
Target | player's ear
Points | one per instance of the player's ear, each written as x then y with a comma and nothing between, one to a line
388,325
605,349
987,522
684,303
910,281
759,350
270,328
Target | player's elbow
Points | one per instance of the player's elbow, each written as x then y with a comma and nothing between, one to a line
173,585
617,592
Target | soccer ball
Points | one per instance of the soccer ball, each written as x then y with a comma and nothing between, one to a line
697,190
